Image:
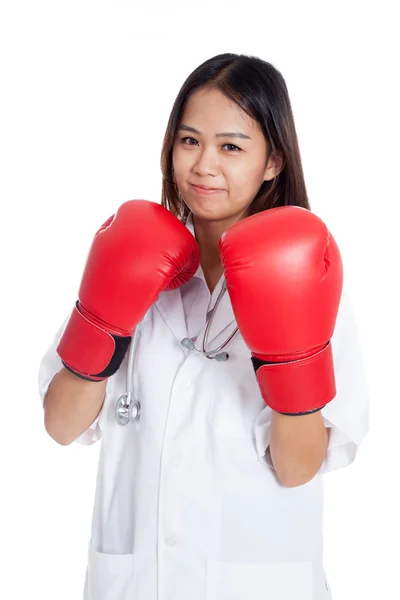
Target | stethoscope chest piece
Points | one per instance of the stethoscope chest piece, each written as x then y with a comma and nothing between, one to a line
127,411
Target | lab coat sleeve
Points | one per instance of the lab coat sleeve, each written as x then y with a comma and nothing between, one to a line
347,415
50,365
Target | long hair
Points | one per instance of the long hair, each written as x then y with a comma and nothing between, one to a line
259,89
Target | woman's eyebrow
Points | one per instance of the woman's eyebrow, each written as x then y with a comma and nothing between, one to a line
227,134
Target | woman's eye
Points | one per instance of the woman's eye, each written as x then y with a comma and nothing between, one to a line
233,146
190,138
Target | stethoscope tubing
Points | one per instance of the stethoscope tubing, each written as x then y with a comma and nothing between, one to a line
128,409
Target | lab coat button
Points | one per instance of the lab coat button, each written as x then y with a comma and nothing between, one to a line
176,460
171,541
186,383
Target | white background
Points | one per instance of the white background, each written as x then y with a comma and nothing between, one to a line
86,91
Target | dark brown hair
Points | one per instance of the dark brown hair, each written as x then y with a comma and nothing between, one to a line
259,89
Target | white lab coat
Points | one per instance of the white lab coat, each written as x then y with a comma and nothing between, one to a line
187,503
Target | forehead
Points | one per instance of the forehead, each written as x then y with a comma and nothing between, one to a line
209,110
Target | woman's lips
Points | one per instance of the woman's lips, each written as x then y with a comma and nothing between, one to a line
205,192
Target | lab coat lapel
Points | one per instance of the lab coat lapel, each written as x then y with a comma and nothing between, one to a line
170,306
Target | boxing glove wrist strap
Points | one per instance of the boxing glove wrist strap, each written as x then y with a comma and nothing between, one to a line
297,387
88,350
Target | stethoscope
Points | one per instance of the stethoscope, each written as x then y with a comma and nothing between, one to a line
128,408
217,354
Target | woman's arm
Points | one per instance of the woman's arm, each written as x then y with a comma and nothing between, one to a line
71,405
298,446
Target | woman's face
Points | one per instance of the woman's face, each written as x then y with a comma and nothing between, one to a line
219,146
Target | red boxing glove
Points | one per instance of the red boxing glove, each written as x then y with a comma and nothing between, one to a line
284,276
140,251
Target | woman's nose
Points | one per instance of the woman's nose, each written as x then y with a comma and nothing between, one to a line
207,164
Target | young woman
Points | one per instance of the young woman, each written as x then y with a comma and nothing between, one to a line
225,307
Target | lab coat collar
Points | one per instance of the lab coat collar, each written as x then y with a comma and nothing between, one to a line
170,306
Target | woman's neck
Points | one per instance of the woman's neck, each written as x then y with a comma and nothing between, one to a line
207,236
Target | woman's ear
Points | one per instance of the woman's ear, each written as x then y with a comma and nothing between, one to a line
274,166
